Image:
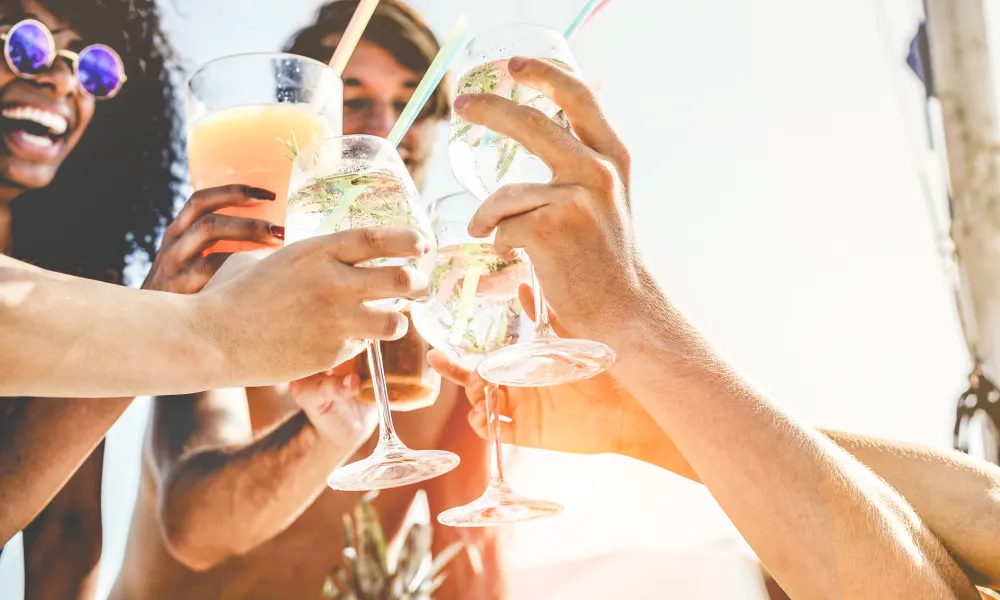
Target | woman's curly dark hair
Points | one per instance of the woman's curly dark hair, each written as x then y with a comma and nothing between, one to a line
116,190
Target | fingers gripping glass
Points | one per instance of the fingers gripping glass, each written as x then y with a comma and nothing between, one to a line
30,50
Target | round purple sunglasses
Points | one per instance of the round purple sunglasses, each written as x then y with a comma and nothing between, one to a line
30,50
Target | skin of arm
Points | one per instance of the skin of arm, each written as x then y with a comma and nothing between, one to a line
222,492
62,546
43,441
58,331
70,337
822,523
956,496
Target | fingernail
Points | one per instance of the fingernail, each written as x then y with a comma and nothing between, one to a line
516,64
418,279
461,101
425,247
352,382
278,231
476,231
260,193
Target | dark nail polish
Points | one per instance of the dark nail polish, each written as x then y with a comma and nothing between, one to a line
278,231
260,194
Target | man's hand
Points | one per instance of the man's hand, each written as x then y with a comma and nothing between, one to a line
300,310
330,402
577,228
595,416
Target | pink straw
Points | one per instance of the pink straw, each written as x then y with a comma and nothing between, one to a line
352,35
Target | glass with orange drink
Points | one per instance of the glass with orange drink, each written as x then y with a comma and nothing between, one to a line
247,117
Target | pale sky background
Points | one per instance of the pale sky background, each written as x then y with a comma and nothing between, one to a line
777,195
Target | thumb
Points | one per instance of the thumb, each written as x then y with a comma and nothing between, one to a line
318,394
526,295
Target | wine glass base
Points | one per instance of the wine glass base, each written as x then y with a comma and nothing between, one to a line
498,506
546,361
392,468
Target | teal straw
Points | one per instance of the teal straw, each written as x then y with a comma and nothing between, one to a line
581,18
456,40
577,23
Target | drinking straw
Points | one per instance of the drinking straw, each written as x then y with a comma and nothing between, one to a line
352,35
435,73
588,11
582,17
465,299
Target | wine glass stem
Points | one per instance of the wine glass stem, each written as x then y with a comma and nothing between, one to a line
386,434
542,327
493,423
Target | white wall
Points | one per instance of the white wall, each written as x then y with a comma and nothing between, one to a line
777,201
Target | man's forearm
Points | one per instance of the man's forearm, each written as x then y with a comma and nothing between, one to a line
42,443
820,521
70,337
933,481
936,483
225,502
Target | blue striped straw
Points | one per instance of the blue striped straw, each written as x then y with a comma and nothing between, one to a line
581,18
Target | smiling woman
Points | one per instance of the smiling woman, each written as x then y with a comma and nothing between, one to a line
86,181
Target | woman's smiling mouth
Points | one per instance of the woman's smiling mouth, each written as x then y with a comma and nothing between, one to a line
33,131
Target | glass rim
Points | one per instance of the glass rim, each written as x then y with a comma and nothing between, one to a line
516,25
312,149
451,195
211,63
323,142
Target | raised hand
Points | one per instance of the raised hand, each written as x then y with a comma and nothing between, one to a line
180,265
330,402
577,229
596,416
300,310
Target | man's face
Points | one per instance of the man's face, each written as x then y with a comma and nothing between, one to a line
376,89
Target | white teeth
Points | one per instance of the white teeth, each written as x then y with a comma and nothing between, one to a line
38,141
56,124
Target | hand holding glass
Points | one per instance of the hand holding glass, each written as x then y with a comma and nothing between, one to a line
360,181
474,310
483,161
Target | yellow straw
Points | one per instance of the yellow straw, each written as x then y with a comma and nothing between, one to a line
352,35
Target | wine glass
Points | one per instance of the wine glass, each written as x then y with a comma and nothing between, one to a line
346,183
483,161
474,310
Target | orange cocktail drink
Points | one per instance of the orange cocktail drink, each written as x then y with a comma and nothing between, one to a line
247,117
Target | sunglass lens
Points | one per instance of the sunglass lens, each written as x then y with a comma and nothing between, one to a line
100,71
30,49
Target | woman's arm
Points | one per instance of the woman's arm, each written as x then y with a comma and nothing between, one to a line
62,546
43,441
274,318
